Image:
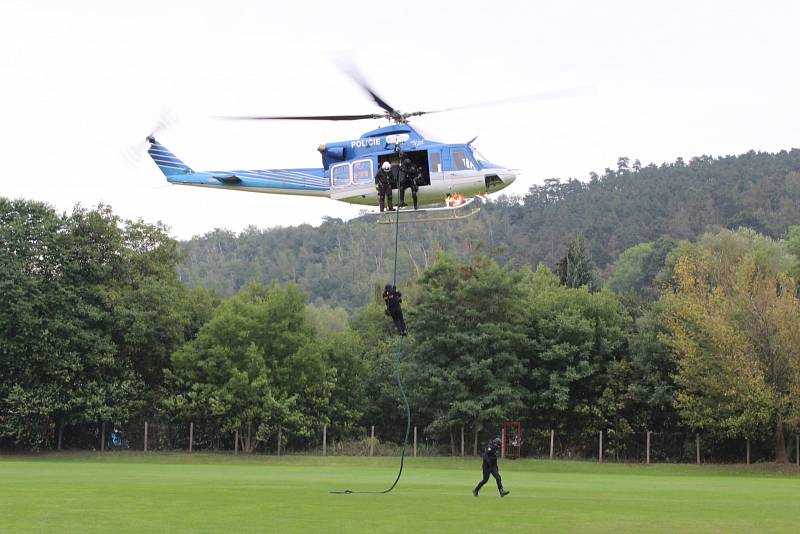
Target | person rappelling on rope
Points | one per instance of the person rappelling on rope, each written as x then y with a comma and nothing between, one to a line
490,467
392,297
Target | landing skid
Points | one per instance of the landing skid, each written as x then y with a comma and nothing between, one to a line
407,215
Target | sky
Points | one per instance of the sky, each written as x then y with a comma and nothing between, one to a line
83,82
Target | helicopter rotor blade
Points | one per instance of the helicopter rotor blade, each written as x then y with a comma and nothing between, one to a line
305,117
351,70
546,95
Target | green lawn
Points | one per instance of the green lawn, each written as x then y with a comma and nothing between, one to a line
132,492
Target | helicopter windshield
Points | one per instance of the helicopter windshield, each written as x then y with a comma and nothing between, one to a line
480,158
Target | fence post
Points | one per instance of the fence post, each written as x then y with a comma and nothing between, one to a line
145,436
280,438
462,441
103,437
191,434
798,450
60,433
648,447
601,447
698,449
371,439
552,439
415,441
324,440
748,451
236,442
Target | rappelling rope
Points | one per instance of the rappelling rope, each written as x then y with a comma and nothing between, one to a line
397,375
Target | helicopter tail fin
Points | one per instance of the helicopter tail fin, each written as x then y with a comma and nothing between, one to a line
169,164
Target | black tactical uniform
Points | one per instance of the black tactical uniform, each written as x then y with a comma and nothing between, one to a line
392,298
490,467
383,183
409,177
395,180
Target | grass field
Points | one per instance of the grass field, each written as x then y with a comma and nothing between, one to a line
130,492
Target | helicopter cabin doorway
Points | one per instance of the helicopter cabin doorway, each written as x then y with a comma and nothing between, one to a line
418,157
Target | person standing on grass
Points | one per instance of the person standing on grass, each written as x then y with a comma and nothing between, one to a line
490,468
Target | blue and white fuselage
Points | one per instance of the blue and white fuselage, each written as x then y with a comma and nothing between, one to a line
349,169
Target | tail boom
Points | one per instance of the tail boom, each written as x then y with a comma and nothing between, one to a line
306,182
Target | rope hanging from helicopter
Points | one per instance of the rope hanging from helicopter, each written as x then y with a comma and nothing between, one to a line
397,376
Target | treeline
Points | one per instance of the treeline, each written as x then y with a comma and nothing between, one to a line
95,327
339,262
99,323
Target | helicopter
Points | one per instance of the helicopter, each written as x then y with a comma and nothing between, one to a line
451,175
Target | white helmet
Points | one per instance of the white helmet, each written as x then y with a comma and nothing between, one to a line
386,166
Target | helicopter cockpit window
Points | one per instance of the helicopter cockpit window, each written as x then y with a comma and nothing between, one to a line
461,162
362,171
480,158
340,175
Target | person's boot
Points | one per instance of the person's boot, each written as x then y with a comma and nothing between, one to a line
503,492
475,492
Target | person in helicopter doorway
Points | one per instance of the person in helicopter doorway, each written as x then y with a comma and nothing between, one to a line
490,467
383,183
409,177
392,297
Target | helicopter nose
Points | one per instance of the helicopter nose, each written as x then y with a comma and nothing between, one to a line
500,180
509,177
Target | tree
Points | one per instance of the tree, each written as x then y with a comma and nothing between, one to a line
636,269
576,268
466,345
733,319
68,349
378,337
628,275
258,366
793,246
576,339
231,374
651,382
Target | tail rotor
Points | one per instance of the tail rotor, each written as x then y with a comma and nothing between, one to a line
132,154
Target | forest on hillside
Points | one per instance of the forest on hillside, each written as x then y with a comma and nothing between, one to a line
340,263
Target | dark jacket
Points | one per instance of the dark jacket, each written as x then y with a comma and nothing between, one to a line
410,175
490,453
383,178
392,297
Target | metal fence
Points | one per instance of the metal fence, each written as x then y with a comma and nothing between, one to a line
563,444
652,447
